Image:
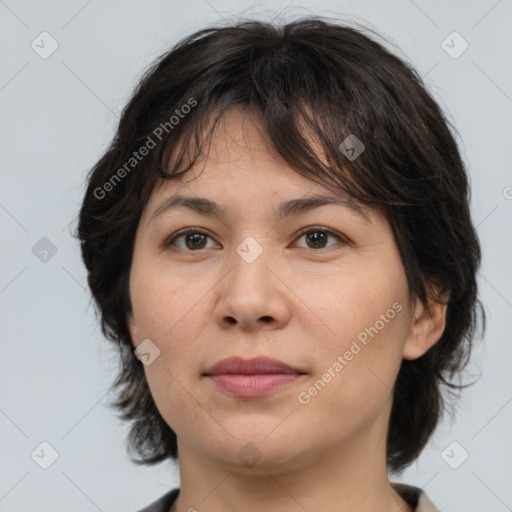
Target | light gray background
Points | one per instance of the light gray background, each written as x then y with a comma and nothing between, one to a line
59,114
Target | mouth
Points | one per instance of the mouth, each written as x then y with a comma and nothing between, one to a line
255,377
261,365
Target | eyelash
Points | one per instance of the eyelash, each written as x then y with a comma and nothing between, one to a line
170,241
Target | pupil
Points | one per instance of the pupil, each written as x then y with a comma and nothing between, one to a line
196,237
314,237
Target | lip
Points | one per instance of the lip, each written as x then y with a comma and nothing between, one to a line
254,377
255,366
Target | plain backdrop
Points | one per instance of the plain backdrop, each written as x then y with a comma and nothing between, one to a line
59,113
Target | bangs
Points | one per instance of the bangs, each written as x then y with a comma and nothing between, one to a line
332,127
307,145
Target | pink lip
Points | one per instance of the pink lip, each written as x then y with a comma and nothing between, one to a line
252,377
256,365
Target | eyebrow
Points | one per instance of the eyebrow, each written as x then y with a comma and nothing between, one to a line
205,206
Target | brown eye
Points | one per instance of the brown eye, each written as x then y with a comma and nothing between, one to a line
193,239
317,237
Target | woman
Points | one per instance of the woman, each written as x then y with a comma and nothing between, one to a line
280,242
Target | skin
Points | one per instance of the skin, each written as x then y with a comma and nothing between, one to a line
298,302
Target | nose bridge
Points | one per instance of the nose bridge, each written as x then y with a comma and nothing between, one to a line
251,292
250,261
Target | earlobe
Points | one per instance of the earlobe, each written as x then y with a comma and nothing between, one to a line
427,327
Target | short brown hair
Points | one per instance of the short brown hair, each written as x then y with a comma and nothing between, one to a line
351,85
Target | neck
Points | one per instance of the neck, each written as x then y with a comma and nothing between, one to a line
351,476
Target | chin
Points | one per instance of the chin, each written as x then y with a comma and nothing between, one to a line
256,451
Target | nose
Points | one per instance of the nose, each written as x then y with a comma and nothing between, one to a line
252,295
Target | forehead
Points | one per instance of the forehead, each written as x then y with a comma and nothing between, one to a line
238,144
240,165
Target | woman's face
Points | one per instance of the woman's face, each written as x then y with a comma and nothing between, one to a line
330,302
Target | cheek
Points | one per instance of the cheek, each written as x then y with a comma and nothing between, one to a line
365,298
354,391
173,400
368,317
170,318
156,300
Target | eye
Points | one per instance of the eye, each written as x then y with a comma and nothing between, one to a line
196,239
193,238
318,236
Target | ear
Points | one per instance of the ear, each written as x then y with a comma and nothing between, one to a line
427,327
130,319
